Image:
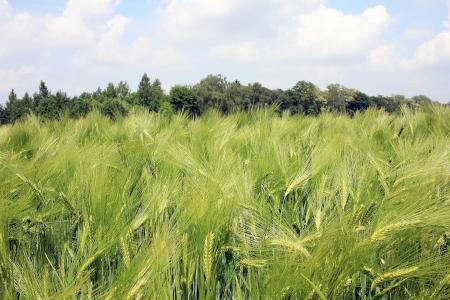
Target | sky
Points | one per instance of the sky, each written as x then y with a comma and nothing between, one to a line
379,47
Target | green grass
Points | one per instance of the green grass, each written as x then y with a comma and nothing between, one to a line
249,206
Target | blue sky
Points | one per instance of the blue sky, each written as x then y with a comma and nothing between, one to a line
379,47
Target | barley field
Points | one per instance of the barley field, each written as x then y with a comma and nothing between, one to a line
247,206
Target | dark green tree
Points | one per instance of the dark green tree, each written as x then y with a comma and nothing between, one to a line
184,99
360,102
110,91
123,89
3,115
114,109
80,106
43,93
261,96
48,108
238,96
421,100
302,98
150,95
336,98
212,93
25,105
395,102
13,110
62,101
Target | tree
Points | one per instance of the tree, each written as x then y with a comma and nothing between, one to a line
62,101
336,100
123,89
3,116
43,90
150,95
261,96
80,107
360,102
43,93
303,98
421,100
110,91
114,108
12,108
238,96
183,98
212,93
27,103
24,106
395,102
48,108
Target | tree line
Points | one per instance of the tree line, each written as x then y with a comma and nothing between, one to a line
213,92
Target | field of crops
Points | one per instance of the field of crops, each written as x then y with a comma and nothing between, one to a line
248,206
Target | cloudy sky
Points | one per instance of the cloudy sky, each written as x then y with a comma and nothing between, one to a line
380,47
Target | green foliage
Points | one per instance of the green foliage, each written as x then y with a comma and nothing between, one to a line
114,108
184,99
80,107
303,98
213,92
12,107
150,94
245,206
3,116
48,107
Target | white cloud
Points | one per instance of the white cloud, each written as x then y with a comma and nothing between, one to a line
16,31
241,52
323,33
111,49
432,52
328,32
69,30
14,77
447,23
383,56
219,19
4,7
73,27
90,8
436,50
417,33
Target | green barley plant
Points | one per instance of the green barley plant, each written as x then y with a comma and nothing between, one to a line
252,205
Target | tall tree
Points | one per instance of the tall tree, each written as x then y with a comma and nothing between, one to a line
48,108
421,100
336,98
12,107
123,89
150,95
261,96
3,115
25,105
43,93
360,102
238,96
110,91
43,90
212,92
114,108
62,101
183,98
303,98
80,106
